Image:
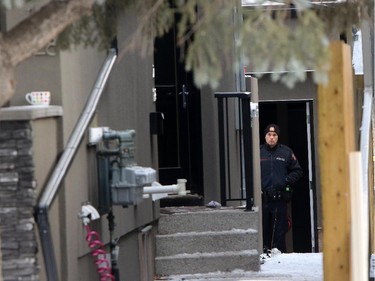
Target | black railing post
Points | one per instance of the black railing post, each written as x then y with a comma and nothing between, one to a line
248,153
247,143
47,244
223,193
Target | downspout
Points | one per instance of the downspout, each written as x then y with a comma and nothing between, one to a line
51,189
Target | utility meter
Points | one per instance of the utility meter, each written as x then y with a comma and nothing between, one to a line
121,181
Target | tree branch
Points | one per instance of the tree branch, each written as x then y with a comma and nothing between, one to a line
37,31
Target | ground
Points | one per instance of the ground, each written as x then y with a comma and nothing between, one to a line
281,267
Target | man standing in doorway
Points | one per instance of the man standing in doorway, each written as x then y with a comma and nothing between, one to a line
279,170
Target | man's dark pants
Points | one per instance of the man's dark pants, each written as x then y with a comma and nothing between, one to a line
275,224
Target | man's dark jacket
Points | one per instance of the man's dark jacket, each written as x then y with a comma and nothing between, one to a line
279,167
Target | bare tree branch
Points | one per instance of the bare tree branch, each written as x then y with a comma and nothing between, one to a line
34,33
38,30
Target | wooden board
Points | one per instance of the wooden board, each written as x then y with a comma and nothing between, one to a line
336,140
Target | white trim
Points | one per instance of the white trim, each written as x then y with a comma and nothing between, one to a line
311,192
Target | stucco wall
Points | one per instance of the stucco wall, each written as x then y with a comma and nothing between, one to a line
38,73
125,104
79,71
210,135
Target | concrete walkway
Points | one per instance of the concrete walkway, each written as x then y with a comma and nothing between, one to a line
283,267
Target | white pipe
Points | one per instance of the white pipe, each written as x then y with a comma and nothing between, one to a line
182,186
174,188
179,188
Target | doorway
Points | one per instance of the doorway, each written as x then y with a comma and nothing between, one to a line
180,143
295,119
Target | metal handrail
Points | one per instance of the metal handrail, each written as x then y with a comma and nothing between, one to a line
247,165
53,184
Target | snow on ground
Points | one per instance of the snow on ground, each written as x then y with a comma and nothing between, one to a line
282,267
299,266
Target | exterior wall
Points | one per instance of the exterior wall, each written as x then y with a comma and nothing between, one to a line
210,146
78,72
210,133
128,100
38,73
44,163
274,91
125,104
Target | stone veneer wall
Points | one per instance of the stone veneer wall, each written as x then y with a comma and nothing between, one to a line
17,201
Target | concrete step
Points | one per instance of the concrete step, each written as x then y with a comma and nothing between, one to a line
207,262
202,219
206,242
194,240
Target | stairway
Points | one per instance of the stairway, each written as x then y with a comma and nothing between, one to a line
193,240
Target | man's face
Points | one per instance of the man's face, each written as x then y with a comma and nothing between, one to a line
271,139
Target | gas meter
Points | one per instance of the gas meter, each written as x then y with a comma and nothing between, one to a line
121,181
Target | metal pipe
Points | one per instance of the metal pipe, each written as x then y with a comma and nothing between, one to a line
47,244
61,168
70,150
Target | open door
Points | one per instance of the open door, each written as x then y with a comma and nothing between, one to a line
295,121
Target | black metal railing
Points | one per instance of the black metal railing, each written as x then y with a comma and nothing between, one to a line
244,144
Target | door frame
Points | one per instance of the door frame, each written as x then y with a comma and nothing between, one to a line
308,105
